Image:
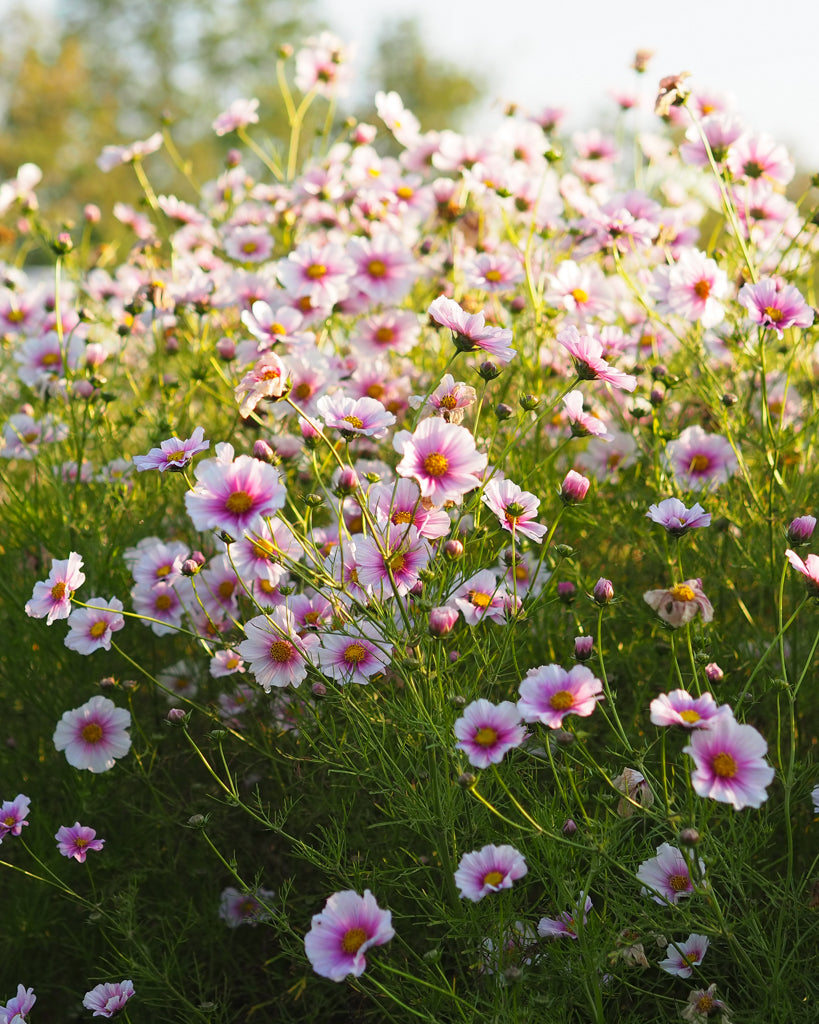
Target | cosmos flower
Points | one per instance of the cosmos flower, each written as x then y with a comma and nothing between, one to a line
90,628
239,114
701,460
353,655
278,656
680,603
666,877
729,763
564,926
442,458
106,999
486,731
13,815
16,1009
355,417
549,693
515,508
683,957
76,840
774,305
267,379
809,569
94,735
587,355
672,514
52,598
489,869
172,454
471,331
482,597
342,933
233,494
237,908
680,708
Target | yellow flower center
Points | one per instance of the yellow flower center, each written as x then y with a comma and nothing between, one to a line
579,295
316,270
486,737
396,562
702,289
10,820
404,192
449,402
226,588
698,464
51,358
492,878
238,503
277,328
690,716
562,700
679,883
80,843
724,765
354,655
436,464
163,602
91,733
177,456
58,591
403,516
479,599
384,335
302,391
705,1004
493,275
163,571
681,592
376,268
98,629
354,421
250,247
281,650
354,939
262,548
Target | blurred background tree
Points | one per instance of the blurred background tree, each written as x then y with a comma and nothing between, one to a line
98,72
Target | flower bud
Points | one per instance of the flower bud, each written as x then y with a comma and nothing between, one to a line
458,701
467,780
569,827
453,549
347,482
190,567
563,737
488,371
566,591
233,158
313,500
318,689
713,673
583,646
62,244
528,402
574,488
504,411
603,592
225,349
197,821
442,620
801,530
689,837
263,451
177,716
91,213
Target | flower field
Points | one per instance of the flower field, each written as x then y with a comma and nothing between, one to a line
407,586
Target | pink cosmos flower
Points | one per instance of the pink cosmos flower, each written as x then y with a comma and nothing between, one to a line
442,457
385,268
160,606
263,553
15,1010
470,329
680,708
489,869
113,156
695,284
403,124
515,508
320,273
225,663
401,502
94,735
13,816
483,596
237,908
701,460
809,569
681,603
682,958
549,693
775,305
583,423
248,243
586,353
52,598
564,926
729,763
702,1004
267,379
394,330
323,65
355,417
106,999
760,156
151,561
342,933
486,731
353,655
278,656
493,272
449,400
581,289
268,325
399,552
173,454
676,518
233,494
666,877
721,131
76,840
239,114
90,628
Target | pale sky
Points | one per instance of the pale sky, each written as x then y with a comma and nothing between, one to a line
541,53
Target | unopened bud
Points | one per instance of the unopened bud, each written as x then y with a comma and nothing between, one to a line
574,488
801,529
566,591
504,411
225,348
318,689
176,716
583,647
263,451
488,371
453,549
467,780
442,620
91,213
603,592
347,482
313,500
190,567
713,673
569,827
528,402
689,837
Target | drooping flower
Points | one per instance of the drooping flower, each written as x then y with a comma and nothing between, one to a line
564,926
672,514
549,693
701,1005
13,815
680,708
486,731
489,869
515,508
106,999
809,569
635,789
52,598
342,933
90,628
76,840
471,331
680,603
587,355
94,735
683,957
729,763
666,877
237,908
173,454
700,460
442,457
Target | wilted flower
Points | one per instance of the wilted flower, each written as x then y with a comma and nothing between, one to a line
701,1005
635,789
681,603
564,926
